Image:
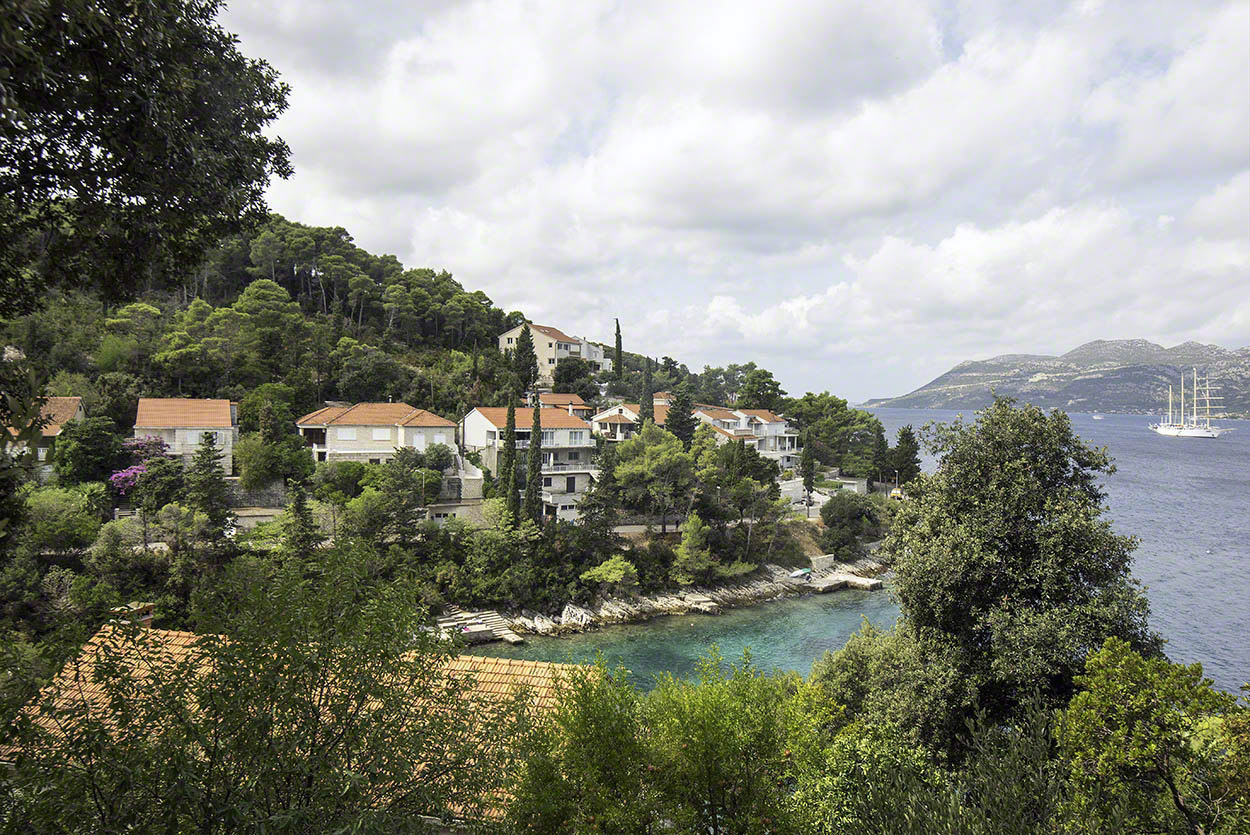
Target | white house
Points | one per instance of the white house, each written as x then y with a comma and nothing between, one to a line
181,423
768,433
567,448
620,422
552,345
55,413
372,432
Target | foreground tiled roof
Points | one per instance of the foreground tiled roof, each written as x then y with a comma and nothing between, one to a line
548,418
76,685
373,414
557,399
173,412
554,333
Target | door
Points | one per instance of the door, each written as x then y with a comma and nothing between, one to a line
570,484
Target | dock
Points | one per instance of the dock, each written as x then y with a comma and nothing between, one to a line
476,627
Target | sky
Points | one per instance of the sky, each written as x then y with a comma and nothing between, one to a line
854,195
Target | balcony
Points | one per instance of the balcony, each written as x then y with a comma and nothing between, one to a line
570,467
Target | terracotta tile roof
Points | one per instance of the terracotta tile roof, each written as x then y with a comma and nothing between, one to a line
764,415
57,411
613,419
373,414
717,412
173,412
554,333
548,418
77,686
729,434
661,411
422,417
557,399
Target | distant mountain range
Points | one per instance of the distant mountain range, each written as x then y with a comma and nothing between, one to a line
1117,375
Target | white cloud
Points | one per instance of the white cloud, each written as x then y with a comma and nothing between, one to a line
855,194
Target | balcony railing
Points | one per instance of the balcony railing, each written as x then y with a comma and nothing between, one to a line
569,467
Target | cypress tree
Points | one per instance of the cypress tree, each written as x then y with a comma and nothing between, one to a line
646,403
524,360
681,420
206,484
619,360
301,535
507,466
534,481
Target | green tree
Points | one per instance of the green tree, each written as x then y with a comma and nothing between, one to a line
807,469
206,484
59,521
133,139
681,420
1004,557
524,360
654,471
850,518
87,450
301,536
1148,749
616,575
533,509
574,375
905,457
646,401
694,561
618,359
760,391
307,702
507,467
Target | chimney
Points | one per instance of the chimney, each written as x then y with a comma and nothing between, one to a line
135,612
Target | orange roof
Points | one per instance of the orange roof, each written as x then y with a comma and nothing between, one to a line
557,399
547,418
554,333
173,412
614,419
422,417
78,685
717,412
764,415
56,412
373,414
661,411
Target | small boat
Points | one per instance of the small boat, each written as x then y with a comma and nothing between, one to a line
1195,424
1097,417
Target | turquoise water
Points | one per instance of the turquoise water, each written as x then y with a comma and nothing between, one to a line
787,635
1187,500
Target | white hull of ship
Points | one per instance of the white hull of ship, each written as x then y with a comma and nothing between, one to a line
1173,430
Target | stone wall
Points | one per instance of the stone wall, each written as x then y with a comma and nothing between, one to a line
271,495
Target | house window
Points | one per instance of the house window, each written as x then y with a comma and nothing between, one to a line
509,340
575,456
375,460
321,455
549,436
344,434
490,436
547,481
382,433
577,436
551,361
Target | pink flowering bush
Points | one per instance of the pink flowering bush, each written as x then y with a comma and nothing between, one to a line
123,481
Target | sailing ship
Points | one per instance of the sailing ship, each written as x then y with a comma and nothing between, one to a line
1197,422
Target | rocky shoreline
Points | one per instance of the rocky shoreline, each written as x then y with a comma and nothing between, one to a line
772,582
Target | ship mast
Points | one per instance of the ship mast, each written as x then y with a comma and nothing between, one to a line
1169,403
1195,396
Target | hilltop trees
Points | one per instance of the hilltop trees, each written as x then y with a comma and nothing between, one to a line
133,140
760,391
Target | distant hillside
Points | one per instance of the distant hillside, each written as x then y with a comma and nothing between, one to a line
1121,375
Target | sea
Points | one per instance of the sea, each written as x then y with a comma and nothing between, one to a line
1187,500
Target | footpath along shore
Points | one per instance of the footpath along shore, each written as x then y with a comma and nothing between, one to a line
772,582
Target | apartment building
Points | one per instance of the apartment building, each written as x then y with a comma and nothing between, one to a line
567,449
372,432
552,345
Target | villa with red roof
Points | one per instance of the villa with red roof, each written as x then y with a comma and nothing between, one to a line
552,345
181,423
55,413
372,432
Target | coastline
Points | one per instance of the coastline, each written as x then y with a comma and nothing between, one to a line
773,584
